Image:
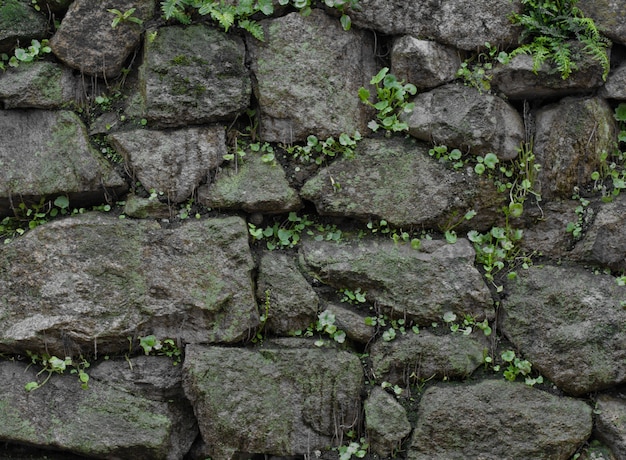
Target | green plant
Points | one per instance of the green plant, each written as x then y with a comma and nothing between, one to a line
396,326
126,16
392,100
285,234
467,325
397,390
548,25
449,232
584,214
398,236
319,151
356,449
166,347
515,367
453,157
36,50
354,297
258,337
325,324
54,365
475,70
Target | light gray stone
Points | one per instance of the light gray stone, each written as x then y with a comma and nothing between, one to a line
86,40
174,162
495,419
385,421
460,117
308,73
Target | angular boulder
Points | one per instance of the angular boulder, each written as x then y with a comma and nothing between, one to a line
570,324
421,285
292,397
134,413
611,422
174,162
193,75
385,421
496,419
461,117
308,73
90,282
57,160
87,41
396,180
615,87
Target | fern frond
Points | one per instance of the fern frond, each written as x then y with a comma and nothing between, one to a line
598,52
562,57
254,28
169,7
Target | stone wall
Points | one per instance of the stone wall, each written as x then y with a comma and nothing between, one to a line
218,296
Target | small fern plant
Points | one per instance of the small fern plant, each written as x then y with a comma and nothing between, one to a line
549,25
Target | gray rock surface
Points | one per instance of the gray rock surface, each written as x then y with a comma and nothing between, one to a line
424,63
174,162
569,138
570,324
611,422
464,24
615,87
57,160
351,321
419,284
609,17
41,85
385,421
460,117
425,193
19,22
457,422
193,75
292,301
86,40
414,357
253,186
292,397
123,413
308,73
91,281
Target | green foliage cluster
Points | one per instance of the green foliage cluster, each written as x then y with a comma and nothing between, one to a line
353,297
475,71
240,14
53,365
392,100
325,324
126,16
166,347
515,367
318,151
467,324
36,50
287,233
265,149
356,449
393,326
398,236
549,25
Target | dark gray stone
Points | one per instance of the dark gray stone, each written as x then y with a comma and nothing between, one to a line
385,421
611,422
19,22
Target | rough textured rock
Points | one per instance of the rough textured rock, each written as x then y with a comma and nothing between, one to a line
603,241
87,41
386,422
253,186
548,235
173,162
19,22
615,87
142,208
517,80
611,422
530,423
570,324
351,322
412,357
609,16
569,138
460,117
57,159
131,412
292,301
42,85
465,24
91,281
419,284
424,63
313,92
193,75
429,193
293,398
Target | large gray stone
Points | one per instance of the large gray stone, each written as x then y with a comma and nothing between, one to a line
86,40
570,324
41,85
611,422
290,397
461,117
19,22
308,73
174,162
385,421
126,412
414,357
422,284
48,154
91,281
465,24
396,180
193,75
494,420
570,137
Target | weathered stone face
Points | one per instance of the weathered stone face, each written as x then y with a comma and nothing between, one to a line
94,280
193,75
19,23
